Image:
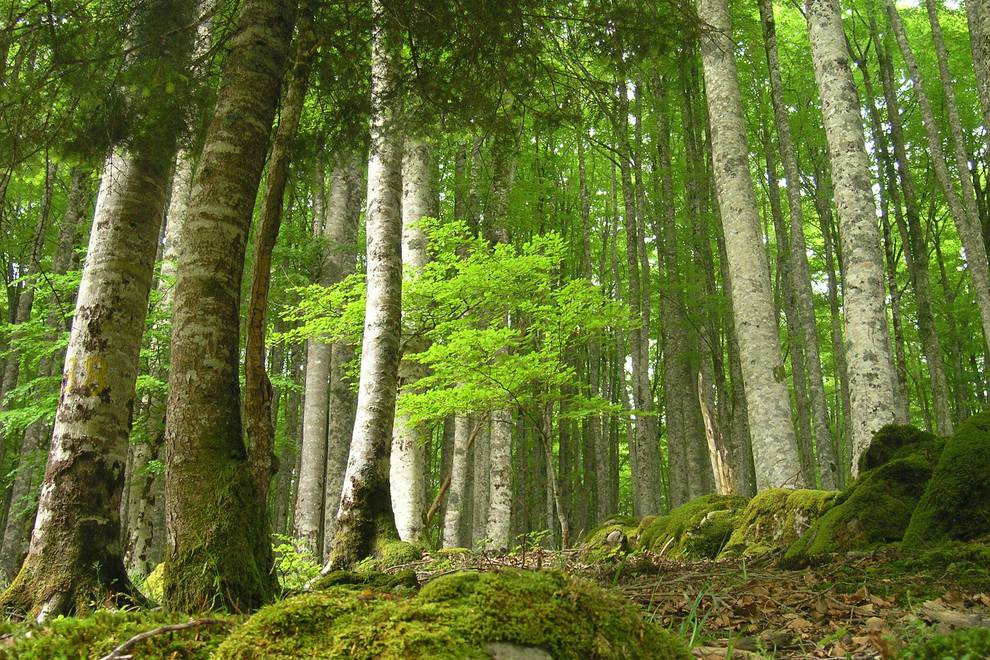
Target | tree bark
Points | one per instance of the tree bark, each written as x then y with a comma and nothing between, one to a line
798,262
978,19
408,468
767,399
365,508
75,556
962,208
341,260
258,425
869,363
219,551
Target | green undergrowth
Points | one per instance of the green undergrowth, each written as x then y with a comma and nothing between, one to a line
456,616
96,635
388,554
964,644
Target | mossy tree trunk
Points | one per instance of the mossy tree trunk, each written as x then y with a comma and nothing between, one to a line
219,552
341,232
75,558
365,512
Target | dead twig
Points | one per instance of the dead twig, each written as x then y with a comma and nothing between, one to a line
120,652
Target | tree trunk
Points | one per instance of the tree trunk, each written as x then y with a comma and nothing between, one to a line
962,208
978,18
75,556
258,425
219,551
869,363
408,467
365,508
798,262
912,235
34,445
453,536
767,399
500,494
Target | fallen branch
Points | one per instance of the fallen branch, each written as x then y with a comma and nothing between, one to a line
119,652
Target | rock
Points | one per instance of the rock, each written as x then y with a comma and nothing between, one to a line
535,614
895,441
956,501
698,529
775,519
617,534
615,538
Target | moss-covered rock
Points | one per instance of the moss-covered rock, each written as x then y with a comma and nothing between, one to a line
875,509
698,529
968,643
775,519
956,502
617,534
154,584
95,635
895,441
456,616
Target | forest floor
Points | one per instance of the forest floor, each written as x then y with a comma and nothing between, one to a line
865,606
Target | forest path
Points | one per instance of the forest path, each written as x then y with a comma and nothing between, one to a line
859,607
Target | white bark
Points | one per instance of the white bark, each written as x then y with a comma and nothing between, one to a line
312,466
408,466
870,365
453,536
768,404
364,500
500,482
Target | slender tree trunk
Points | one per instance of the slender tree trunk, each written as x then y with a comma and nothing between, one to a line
258,425
962,208
408,465
219,552
767,399
870,366
501,487
365,505
340,262
481,486
34,445
453,536
798,261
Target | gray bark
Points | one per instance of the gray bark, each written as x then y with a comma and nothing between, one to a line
870,366
767,398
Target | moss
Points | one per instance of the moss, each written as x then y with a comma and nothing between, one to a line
968,643
597,540
403,580
775,518
225,558
895,441
456,616
697,530
95,635
875,509
389,553
956,502
154,583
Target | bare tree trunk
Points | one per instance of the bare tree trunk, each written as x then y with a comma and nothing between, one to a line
258,425
453,536
963,208
365,504
912,235
978,18
34,445
408,469
798,261
501,488
767,399
481,485
219,551
870,366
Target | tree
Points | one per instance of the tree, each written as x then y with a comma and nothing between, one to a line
75,556
767,401
218,548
